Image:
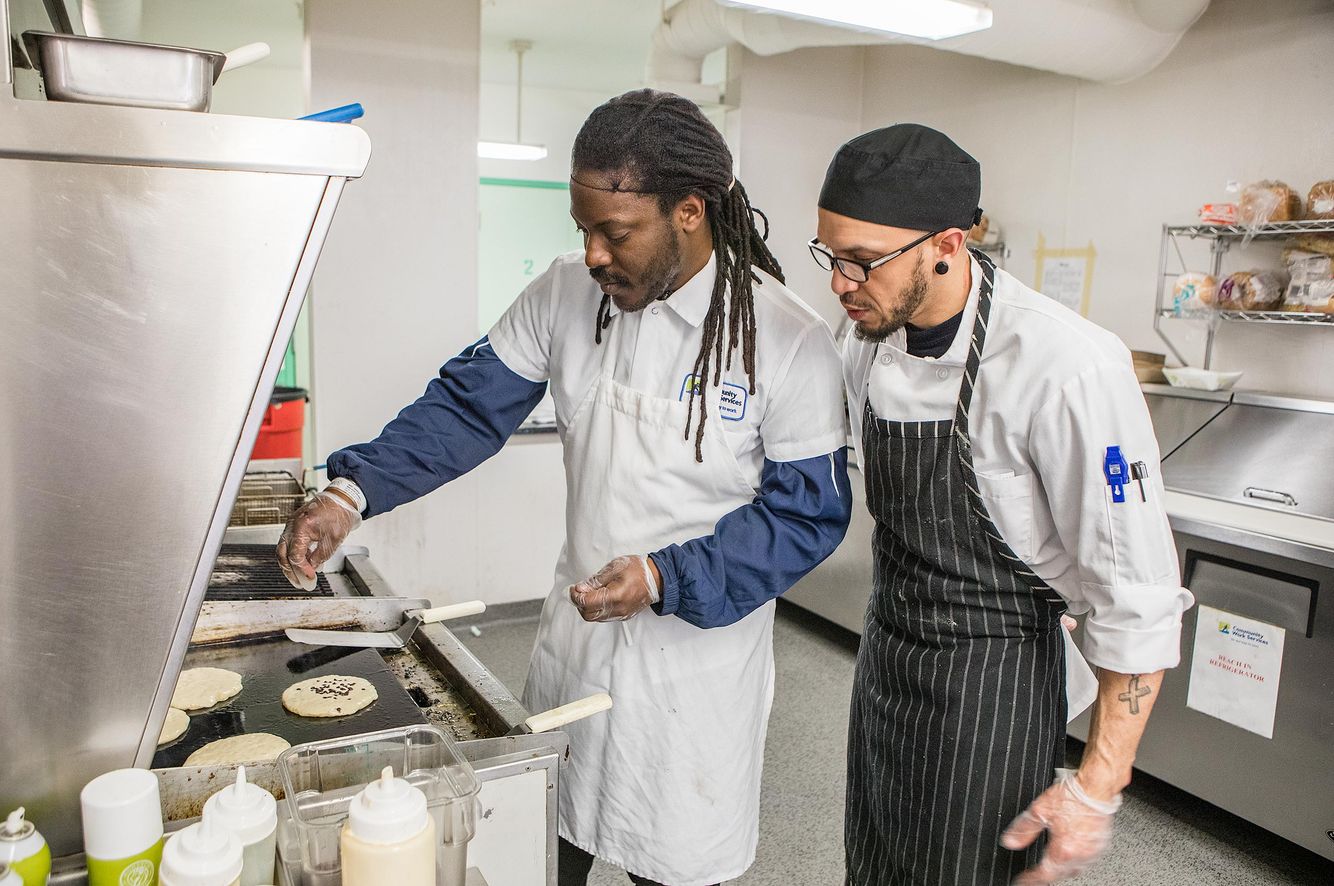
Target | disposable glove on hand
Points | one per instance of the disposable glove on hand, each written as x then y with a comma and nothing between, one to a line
1080,828
313,534
617,592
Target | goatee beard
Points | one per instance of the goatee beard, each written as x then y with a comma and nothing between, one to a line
910,299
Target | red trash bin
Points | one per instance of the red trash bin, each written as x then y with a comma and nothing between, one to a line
284,421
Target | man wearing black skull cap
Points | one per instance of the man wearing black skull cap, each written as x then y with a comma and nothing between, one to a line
998,433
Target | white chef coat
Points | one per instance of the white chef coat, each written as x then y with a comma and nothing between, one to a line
667,783
796,411
1053,392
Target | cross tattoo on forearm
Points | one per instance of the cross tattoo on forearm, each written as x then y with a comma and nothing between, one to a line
1134,694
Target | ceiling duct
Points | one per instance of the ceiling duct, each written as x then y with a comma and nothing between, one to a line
1109,41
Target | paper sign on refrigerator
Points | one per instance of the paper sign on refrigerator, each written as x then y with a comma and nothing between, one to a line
1234,671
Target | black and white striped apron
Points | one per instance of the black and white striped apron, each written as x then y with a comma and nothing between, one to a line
958,706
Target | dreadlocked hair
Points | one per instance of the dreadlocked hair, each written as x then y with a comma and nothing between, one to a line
662,144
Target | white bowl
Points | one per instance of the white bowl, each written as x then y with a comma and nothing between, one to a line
1200,379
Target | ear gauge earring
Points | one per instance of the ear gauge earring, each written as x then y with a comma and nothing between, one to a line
942,268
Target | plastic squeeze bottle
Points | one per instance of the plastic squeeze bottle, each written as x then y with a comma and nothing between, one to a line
251,814
24,850
204,854
122,828
389,836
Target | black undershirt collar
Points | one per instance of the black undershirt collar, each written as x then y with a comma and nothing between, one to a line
935,341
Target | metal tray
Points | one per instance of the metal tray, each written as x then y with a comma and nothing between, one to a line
95,70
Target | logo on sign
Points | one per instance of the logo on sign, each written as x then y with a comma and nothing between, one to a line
731,398
1242,635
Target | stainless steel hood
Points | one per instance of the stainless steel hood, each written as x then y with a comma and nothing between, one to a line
1261,450
154,264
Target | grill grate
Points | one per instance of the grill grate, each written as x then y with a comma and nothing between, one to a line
250,572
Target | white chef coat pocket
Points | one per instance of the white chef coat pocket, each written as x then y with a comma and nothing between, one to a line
1142,549
1009,500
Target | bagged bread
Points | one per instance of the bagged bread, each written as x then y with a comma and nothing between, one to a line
1320,201
1321,243
1312,285
1218,214
1268,201
1194,291
1251,291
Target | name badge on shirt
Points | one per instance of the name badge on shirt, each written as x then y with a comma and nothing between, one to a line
731,398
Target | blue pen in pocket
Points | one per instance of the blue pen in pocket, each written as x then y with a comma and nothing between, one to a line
1115,469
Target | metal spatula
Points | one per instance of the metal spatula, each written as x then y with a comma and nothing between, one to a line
395,639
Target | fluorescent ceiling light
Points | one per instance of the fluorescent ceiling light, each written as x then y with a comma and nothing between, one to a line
927,19
510,151
515,150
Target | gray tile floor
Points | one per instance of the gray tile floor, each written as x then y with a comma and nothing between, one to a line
1163,836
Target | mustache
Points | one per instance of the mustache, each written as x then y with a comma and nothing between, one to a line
602,275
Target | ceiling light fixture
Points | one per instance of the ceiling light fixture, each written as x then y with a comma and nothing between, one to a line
515,150
925,19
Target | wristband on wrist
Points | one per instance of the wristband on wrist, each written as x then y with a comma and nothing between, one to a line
350,489
654,591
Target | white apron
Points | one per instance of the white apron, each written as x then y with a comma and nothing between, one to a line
667,783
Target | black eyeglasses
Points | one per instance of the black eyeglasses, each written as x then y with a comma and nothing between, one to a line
858,271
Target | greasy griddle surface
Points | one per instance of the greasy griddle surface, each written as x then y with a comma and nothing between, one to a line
269,667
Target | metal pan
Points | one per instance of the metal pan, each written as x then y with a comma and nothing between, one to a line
96,70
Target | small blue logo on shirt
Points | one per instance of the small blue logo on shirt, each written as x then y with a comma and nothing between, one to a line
731,398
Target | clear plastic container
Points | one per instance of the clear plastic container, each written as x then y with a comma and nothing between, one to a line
321,779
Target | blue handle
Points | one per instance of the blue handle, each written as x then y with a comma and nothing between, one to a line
1115,469
345,114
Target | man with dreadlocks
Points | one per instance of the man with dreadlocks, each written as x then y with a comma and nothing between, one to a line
700,407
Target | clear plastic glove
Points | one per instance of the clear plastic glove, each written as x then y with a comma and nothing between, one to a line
620,589
1080,826
313,534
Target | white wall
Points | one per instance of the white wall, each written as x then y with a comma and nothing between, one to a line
395,292
1080,161
795,110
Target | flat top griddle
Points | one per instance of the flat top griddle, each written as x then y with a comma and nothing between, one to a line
267,668
251,572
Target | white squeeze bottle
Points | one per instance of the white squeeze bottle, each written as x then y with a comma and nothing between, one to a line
251,814
204,854
389,836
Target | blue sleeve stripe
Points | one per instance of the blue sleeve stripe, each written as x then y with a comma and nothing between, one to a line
761,549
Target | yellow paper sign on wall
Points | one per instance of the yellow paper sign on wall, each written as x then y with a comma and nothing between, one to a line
1066,275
